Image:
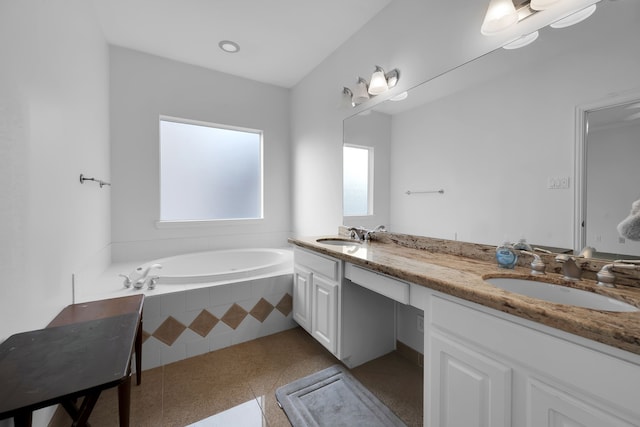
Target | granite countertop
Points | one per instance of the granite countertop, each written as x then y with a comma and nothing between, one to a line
463,277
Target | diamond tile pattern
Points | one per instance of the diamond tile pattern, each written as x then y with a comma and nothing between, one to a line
261,310
234,316
285,305
204,323
169,331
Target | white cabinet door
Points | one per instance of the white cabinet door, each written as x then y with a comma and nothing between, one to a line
551,407
302,280
324,312
466,388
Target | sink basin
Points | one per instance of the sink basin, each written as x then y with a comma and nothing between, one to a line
338,242
560,294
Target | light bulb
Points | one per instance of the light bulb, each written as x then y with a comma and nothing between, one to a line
360,93
501,14
378,83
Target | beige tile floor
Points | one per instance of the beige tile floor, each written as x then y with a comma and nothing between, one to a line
194,389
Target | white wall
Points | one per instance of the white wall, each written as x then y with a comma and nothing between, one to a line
143,87
53,127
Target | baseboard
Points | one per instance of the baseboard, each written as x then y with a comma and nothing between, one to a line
410,354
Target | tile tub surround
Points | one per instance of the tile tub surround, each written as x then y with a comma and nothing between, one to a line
458,269
188,323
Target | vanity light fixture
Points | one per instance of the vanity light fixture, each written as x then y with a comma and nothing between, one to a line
504,14
380,82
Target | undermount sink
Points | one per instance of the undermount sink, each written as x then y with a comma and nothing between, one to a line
338,242
560,294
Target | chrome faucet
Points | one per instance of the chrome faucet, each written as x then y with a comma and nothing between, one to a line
587,252
570,268
356,233
537,265
606,277
378,229
361,233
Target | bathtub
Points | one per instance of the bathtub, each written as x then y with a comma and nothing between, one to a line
205,301
220,265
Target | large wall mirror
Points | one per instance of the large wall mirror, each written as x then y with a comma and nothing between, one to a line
498,135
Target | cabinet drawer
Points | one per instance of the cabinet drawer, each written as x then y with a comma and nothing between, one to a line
384,285
317,263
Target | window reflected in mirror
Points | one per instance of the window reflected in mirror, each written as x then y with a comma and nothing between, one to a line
358,180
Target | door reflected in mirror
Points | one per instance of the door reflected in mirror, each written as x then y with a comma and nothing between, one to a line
612,177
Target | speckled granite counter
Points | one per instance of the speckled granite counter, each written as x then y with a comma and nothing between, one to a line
463,277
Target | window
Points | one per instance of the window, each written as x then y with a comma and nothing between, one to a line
209,172
357,180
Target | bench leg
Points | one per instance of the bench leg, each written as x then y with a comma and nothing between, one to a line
139,353
80,416
23,419
124,402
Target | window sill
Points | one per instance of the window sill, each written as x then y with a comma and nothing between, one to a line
207,223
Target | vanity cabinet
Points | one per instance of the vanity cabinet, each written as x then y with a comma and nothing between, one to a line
316,299
302,280
324,312
487,368
353,322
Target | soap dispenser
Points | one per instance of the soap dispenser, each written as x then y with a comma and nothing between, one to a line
506,255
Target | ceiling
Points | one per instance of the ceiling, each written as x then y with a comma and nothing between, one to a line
281,41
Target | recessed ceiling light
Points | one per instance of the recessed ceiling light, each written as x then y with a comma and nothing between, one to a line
229,46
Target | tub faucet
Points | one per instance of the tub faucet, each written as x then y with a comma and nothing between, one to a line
570,268
153,281
144,276
127,280
138,277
